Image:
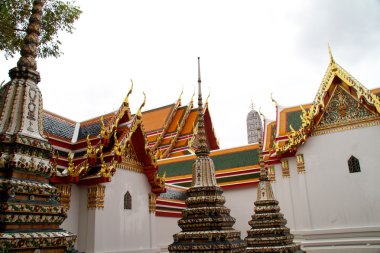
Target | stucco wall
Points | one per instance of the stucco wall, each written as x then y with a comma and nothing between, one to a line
120,230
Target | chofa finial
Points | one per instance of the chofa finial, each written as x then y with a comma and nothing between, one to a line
331,56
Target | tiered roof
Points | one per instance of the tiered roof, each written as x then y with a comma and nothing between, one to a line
90,152
163,132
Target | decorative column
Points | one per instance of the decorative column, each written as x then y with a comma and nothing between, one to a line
300,164
95,196
65,191
285,168
152,202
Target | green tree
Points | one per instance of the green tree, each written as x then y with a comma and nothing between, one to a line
57,16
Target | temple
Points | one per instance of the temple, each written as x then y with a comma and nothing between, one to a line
128,181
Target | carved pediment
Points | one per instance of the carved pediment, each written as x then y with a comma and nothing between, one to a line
342,112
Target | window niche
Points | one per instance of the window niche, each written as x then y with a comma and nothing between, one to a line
127,201
353,164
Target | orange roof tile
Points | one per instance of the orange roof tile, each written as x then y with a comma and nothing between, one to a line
155,119
176,119
190,122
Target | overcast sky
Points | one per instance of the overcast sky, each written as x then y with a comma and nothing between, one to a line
248,49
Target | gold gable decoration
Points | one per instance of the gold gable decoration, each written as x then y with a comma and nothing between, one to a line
342,112
297,138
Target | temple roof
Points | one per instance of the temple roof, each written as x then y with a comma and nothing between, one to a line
295,124
58,126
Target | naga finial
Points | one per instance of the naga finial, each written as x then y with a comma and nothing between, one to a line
126,100
273,100
180,96
331,56
139,113
208,96
29,49
261,114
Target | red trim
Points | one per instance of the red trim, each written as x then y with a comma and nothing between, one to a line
280,138
168,203
240,185
92,181
166,214
63,180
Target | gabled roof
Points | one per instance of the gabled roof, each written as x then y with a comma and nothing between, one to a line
103,144
296,124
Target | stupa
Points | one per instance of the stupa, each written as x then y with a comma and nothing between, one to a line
206,223
30,210
269,233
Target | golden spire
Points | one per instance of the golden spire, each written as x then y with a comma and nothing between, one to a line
202,149
29,49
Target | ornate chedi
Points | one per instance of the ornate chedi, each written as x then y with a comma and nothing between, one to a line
268,233
30,211
206,223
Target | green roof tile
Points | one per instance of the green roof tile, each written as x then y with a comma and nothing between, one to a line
227,179
294,119
221,162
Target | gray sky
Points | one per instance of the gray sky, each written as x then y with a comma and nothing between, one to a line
248,49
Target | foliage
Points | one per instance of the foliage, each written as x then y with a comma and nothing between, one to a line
14,17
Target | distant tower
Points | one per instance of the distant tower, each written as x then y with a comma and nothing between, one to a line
253,125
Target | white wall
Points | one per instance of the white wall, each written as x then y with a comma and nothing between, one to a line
166,227
120,230
71,222
339,199
328,206
240,201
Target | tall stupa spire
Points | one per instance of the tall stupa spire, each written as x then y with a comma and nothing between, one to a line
203,148
268,233
27,65
206,223
25,160
29,49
